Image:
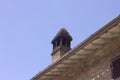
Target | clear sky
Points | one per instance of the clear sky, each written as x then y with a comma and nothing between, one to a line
28,26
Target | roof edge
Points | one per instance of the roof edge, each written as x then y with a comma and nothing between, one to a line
85,42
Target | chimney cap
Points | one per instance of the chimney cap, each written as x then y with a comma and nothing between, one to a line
62,33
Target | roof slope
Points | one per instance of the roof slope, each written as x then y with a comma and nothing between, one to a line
111,30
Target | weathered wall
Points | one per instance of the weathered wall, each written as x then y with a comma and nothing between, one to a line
101,69
96,67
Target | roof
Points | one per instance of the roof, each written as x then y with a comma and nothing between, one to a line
94,42
62,33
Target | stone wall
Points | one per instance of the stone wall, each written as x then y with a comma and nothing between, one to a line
101,70
94,67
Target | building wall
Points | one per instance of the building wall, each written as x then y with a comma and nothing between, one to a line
94,67
101,70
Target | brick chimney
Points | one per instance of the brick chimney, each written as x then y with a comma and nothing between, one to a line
61,44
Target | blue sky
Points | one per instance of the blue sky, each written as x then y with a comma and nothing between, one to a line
28,26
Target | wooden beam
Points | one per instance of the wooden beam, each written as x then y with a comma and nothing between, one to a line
77,56
116,29
45,77
63,65
83,51
114,34
51,74
69,62
61,69
90,50
98,46
89,46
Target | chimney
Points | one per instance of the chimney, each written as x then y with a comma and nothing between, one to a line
61,44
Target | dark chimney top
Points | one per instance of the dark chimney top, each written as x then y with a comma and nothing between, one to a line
61,44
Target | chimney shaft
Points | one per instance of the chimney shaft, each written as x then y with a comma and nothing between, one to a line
61,44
